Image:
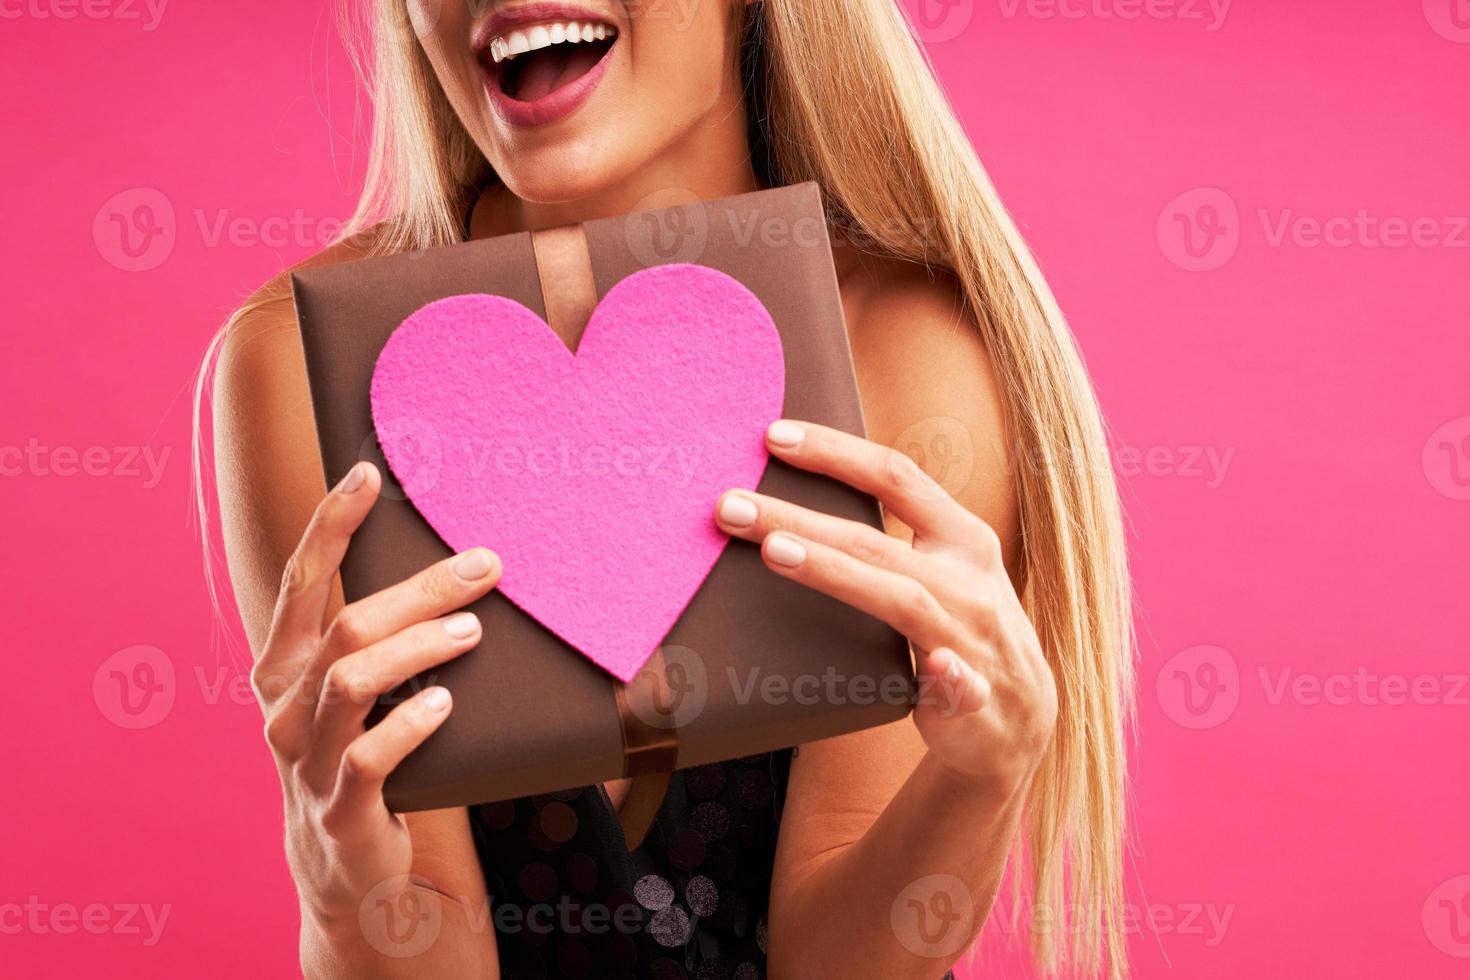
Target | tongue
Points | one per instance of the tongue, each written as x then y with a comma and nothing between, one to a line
550,68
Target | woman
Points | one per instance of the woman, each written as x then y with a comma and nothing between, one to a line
1010,583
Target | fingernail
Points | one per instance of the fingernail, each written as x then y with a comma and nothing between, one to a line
787,435
943,661
737,511
462,626
785,550
353,479
436,699
474,564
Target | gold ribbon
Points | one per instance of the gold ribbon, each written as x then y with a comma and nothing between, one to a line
650,736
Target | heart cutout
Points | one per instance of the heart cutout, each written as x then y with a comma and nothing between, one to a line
594,475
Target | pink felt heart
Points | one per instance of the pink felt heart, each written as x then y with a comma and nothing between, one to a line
593,475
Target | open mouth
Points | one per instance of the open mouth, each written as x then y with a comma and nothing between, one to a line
528,63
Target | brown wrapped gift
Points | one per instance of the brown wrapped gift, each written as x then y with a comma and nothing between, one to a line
756,662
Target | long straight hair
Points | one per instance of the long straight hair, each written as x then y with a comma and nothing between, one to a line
900,179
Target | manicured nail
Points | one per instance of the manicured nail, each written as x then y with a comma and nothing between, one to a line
462,626
787,435
353,479
785,550
737,511
474,564
436,699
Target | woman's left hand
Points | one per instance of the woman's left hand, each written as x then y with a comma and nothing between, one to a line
987,700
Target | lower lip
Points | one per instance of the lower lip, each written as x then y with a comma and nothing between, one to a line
553,106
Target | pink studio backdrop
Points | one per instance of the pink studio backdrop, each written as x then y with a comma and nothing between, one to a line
1254,215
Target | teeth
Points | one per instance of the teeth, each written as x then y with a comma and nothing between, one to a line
518,42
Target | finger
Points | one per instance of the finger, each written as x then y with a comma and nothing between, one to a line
368,760
353,683
891,476
306,585
949,685
751,516
442,587
896,599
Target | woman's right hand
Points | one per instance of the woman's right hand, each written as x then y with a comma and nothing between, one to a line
318,675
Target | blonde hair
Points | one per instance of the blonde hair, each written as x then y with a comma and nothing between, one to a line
900,177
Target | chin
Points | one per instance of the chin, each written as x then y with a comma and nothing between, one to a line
559,175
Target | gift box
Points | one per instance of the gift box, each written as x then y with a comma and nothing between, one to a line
736,307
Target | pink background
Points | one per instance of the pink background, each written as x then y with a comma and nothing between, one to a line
1325,818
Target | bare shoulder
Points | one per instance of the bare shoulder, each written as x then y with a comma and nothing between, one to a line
928,382
261,339
267,467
